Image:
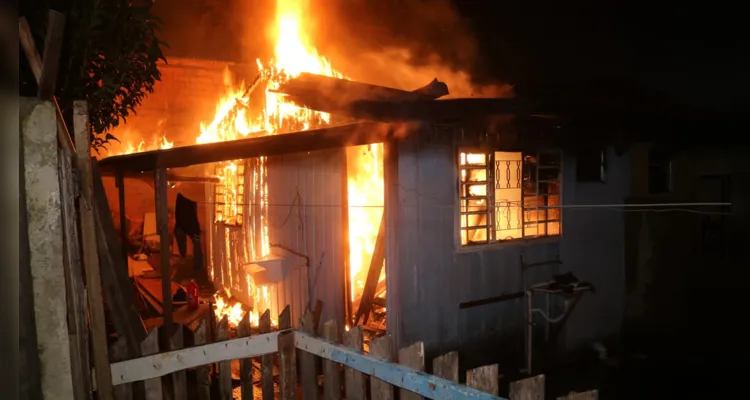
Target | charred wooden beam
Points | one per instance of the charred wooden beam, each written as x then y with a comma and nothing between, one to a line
319,139
346,91
373,274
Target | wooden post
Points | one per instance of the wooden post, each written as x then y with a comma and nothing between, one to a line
203,372
246,364
287,366
179,378
45,238
120,353
528,389
285,318
381,347
225,367
162,222
51,58
75,289
354,381
266,368
120,183
307,365
484,378
331,372
412,357
90,252
446,366
153,387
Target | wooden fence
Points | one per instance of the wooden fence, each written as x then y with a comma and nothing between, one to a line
288,364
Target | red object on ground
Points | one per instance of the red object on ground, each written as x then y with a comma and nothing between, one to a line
192,294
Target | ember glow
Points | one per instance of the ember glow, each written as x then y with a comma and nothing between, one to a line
128,147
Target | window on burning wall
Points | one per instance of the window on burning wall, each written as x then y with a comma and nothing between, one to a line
230,193
507,196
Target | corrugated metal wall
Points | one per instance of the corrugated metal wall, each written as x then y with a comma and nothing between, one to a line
306,216
428,277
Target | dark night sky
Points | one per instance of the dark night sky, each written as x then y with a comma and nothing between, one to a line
695,54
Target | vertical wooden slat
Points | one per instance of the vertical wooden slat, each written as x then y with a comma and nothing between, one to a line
120,353
202,373
317,312
75,290
90,253
266,361
162,222
589,395
412,357
120,183
287,366
152,387
446,366
246,364
528,389
179,378
225,367
484,378
354,381
382,348
307,364
331,371
285,319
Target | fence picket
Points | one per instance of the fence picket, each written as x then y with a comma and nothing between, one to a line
354,381
412,357
528,389
331,371
382,348
484,378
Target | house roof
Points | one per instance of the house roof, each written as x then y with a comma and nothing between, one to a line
269,145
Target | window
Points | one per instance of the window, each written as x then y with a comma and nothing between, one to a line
508,196
230,192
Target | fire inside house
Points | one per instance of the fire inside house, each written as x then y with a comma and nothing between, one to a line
238,206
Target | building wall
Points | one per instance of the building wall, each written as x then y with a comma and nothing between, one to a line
305,197
428,277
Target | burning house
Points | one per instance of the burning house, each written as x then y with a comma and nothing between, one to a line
436,219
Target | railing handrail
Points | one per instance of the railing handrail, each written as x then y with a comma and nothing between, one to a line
161,364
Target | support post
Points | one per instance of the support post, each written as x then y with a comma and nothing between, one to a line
120,183
45,234
91,252
162,223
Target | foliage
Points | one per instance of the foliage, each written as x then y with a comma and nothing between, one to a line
110,58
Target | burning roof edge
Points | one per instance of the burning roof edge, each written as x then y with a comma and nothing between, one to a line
319,139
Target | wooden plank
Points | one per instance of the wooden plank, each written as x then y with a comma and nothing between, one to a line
373,274
285,318
120,353
307,364
528,389
486,379
266,371
246,364
446,366
154,366
120,183
114,272
589,395
317,312
78,329
405,377
35,62
412,357
268,145
354,381
331,371
51,57
382,348
162,222
225,366
91,253
287,366
150,346
178,379
203,372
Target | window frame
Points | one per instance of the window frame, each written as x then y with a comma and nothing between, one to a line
492,241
